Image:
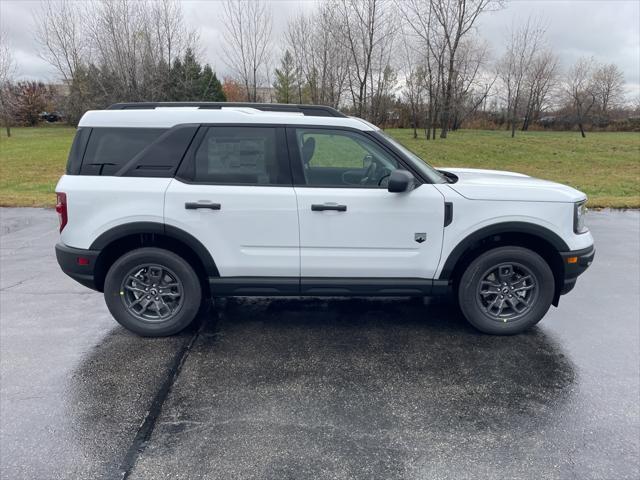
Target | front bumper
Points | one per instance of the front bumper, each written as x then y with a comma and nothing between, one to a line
575,263
78,263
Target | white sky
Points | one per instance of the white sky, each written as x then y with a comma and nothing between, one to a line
608,30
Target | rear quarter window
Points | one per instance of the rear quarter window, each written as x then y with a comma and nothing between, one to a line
74,161
108,149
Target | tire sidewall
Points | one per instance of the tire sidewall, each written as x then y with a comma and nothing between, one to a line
190,287
467,290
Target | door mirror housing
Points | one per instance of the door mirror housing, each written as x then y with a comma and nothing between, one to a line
400,181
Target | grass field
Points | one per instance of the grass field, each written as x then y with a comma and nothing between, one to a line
604,165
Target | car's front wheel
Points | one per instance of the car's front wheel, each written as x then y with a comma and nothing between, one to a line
152,292
506,290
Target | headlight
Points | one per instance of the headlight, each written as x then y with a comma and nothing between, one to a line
579,212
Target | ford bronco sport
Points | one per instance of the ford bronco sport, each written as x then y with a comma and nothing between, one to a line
164,206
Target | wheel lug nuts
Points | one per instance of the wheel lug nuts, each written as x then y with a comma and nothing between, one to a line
148,296
157,298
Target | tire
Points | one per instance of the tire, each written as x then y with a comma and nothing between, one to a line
506,290
134,278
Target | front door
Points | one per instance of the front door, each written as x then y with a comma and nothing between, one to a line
234,194
350,224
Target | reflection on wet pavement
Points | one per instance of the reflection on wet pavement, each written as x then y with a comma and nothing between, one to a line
351,388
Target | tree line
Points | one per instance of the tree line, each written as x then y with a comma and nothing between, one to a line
375,59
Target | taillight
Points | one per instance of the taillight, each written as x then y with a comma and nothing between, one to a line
61,208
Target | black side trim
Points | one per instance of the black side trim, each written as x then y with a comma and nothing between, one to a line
495,230
254,286
366,286
448,213
326,286
142,228
68,260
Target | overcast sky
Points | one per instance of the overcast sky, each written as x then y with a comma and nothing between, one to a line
608,30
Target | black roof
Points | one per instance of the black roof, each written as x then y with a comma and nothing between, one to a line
308,110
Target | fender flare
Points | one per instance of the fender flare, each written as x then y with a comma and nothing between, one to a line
497,229
169,231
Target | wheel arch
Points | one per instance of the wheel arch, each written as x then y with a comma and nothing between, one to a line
539,239
115,242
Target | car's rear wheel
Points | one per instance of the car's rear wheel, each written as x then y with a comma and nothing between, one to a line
152,292
506,290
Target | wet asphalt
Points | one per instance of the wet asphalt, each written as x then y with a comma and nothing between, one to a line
317,388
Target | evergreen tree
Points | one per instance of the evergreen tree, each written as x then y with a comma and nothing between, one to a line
286,79
190,82
211,87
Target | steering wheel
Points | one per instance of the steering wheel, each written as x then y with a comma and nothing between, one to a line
371,171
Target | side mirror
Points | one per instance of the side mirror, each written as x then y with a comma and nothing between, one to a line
400,181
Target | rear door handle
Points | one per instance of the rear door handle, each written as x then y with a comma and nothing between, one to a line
321,207
195,205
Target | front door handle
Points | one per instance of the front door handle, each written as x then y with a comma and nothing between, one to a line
195,205
321,207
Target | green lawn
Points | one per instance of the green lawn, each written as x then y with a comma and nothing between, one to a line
31,161
604,165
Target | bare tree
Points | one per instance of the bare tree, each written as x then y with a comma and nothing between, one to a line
417,15
62,37
414,79
472,82
367,31
541,79
108,51
319,58
441,26
454,19
608,82
248,25
7,71
522,45
580,91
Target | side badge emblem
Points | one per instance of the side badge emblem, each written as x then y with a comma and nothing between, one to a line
420,237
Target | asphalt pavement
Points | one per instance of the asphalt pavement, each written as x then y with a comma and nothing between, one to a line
317,388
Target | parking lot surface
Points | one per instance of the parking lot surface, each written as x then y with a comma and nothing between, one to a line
317,388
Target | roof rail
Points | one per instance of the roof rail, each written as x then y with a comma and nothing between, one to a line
307,110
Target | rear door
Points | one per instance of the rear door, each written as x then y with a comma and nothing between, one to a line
233,192
351,226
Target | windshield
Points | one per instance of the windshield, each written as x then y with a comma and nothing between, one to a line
427,170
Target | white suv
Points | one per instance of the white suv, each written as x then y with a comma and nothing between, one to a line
166,205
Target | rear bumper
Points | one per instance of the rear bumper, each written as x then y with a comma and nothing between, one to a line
78,263
574,268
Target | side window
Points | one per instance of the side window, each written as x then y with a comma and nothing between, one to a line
109,149
340,158
74,161
241,156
